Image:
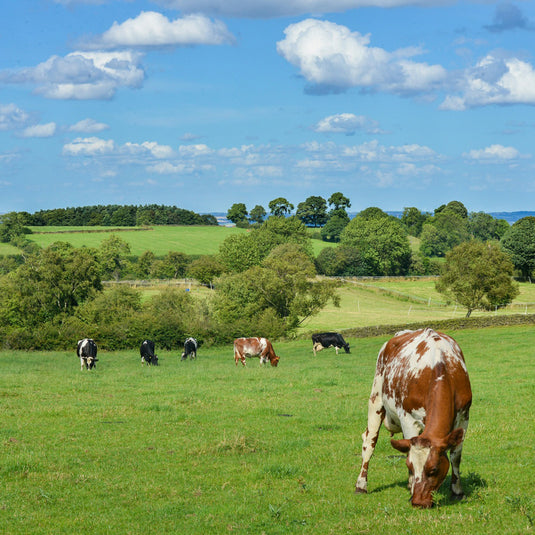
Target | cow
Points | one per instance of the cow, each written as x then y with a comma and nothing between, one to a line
421,388
254,347
148,355
324,340
190,349
87,352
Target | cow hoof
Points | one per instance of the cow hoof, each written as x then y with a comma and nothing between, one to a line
457,497
360,491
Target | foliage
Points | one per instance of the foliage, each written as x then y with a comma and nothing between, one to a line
444,231
144,264
205,269
237,213
112,256
413,220
484,227
50,284
240,252
12,226
111,215
257,214
382,243
332,230
342,261
172,266
312,211
478,276
519,243
280,207
455,207
339,201
282,284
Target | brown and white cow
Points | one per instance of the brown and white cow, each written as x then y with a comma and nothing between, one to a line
421,388
254,347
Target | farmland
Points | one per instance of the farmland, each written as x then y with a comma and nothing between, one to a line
202,447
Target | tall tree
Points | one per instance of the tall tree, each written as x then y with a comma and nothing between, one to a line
312,211
280,207
257,214
478,276
112,254
339,201
237,213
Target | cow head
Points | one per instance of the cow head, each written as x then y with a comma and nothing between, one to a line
274,360
428,464
346,348
91,362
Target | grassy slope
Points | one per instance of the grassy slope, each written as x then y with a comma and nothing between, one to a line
158,239
207,448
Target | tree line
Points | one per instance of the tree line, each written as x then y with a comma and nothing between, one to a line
108,215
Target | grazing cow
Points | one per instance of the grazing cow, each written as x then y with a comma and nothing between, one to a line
147,353
190,349
87,352
421,388
324,340
254,347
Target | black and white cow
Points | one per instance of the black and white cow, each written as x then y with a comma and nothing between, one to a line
190,349
323,340
147,353
87,352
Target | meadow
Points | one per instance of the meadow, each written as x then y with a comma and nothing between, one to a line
205,447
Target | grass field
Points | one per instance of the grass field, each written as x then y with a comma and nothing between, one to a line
158,239
203,447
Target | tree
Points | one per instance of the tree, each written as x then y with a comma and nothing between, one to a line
112,254
478,276
455,207
257,214
237,213
484,227
144,264
381,241
205,269
12,226
339,201
449,230
413,220
332,230
280,207
519,242
313,211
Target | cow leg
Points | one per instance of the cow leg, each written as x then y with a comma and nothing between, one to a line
376,414
336,348
455,459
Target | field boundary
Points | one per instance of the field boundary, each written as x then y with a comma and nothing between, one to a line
456,324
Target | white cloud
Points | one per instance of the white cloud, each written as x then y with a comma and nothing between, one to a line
283,8
89,146
81,75
12,117
156,150
192,151
88,126
494,80
494,153
332,57
152,29
346,123
40,130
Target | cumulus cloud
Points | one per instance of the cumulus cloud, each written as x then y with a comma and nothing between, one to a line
40,130
284,8
151,147
346,123
12,117
494,80
508,17
88,146
332,57
494,153
152,29
88,126
81,75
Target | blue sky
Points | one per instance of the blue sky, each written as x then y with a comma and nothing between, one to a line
204,103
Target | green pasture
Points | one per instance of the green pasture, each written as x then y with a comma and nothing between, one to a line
160,240
205,447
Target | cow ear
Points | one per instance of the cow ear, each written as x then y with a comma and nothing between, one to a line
455,438
403,445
